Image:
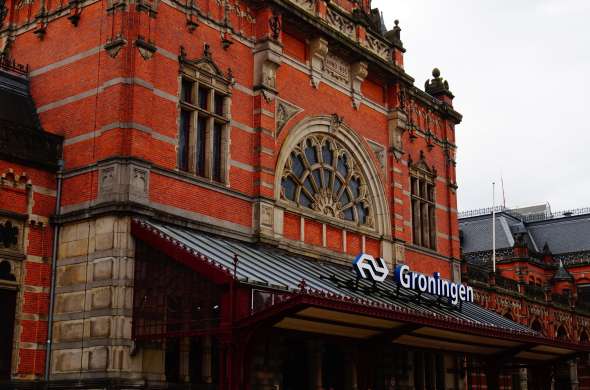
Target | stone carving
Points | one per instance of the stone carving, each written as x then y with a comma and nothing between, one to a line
266,216
323,176
275,26
379,151
318,50
337,69
139,180
268,56
308,5
358,72
114,46
107,179
378,47
146,49
285,111
341,23
123,181
335,122
397,125
22,3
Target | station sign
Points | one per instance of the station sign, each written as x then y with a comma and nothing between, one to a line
376,270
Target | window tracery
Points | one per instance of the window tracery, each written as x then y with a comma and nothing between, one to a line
321,175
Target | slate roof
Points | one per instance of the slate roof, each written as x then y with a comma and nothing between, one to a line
22,139
271,267
564,234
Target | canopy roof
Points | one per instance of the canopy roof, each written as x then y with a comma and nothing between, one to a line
324,298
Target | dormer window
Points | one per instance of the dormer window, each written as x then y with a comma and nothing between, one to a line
204,120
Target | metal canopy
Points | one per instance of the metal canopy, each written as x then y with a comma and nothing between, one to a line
324,298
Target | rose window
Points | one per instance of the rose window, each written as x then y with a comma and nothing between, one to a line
322,176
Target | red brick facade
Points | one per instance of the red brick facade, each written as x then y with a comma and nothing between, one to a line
106,76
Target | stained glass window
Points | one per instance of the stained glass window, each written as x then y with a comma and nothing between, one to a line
322,175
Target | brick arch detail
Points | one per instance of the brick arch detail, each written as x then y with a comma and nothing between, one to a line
357,146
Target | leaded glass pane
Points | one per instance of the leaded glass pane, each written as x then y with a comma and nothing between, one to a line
362,213
327,154
314,184
289,187
348,214
355,186
304,200
317,174
342,166
310,154
344,198
298,166
307,184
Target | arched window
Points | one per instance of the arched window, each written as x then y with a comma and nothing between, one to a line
536,326
561,333
321,175
584,337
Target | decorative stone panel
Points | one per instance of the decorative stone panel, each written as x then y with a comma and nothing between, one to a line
123,181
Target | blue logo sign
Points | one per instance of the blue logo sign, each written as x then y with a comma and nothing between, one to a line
375,269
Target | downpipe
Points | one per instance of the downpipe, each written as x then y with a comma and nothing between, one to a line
53,272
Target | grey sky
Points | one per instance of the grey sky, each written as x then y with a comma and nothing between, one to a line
520,71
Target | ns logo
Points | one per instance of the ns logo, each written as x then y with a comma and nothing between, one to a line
367,267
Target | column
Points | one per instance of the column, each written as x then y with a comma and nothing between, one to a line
206,360
573,368
524,378
315,366
184,351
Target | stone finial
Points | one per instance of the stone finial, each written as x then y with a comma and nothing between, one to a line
395,36
439,87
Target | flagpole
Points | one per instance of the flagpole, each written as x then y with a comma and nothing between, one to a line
494,226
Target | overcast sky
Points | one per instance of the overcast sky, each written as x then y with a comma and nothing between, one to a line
520,71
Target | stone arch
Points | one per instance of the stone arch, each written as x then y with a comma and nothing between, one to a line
359,149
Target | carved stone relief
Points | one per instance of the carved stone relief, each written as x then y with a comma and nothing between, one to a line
285,111
379,151
378,47
337,69
397,126
308,5
268,56
318,50
341,23
359,71
123,181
